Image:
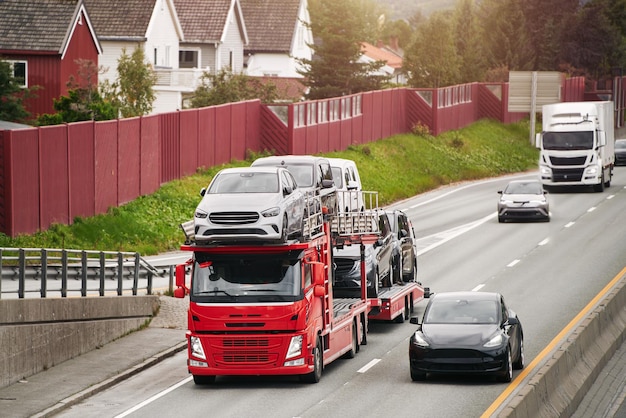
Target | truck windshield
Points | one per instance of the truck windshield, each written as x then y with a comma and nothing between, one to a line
567,141
246,278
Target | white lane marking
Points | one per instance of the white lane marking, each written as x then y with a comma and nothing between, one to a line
477,288
567,225
610,197
445,236
368,366
544,242
512,263
155,397
591,209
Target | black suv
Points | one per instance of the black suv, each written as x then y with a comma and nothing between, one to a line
404,252
378,264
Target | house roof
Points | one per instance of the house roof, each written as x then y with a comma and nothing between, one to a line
378,54
271,24
121,19
204,21
42,25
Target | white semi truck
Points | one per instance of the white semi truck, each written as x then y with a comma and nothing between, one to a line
577,145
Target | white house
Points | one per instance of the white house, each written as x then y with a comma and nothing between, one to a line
152,25
278,37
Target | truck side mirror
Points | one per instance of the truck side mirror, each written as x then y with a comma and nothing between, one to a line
318,271
601,138
537,140
181,289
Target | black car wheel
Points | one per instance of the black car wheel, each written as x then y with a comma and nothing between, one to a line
397,276
285,230
412,276
388,282
507,370
519,362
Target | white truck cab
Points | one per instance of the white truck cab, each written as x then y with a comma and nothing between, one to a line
577,145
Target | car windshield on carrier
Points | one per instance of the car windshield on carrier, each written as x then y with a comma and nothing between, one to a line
248,182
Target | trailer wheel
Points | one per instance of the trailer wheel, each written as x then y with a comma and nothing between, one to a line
203,380
318,365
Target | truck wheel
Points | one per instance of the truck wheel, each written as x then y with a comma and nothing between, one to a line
203,380
600,186
355,343
318,365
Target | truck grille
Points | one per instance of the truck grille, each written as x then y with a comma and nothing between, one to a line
246,351
564,175
233,218
568,161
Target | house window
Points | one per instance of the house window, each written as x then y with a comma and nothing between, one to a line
155,57
168,51
188,59
20,72
231,60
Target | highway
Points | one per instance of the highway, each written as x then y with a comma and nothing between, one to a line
547,272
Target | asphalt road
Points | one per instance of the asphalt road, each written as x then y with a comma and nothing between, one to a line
547,272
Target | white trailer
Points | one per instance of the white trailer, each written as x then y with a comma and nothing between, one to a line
577,145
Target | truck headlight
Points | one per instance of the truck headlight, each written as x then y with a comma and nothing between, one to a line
196,347
295,347
546,171
592,171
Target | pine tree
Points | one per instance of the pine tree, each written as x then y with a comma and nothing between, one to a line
11,96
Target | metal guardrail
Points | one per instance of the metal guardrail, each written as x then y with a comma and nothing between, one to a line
64,272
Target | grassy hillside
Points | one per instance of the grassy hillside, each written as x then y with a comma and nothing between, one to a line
396,167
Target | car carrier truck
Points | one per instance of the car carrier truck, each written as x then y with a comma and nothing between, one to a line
269,309
577,144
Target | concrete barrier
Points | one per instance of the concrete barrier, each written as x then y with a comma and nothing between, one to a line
36,334
557,388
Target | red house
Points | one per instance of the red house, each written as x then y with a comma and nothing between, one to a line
42,39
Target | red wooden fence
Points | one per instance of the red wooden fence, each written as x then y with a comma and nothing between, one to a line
54,174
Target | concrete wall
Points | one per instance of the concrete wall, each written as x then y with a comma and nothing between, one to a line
36,334
557,388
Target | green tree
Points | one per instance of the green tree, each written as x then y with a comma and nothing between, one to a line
226,87
545,29
593,42
431,59
468,42
11,96
134,84
339,27
503,35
